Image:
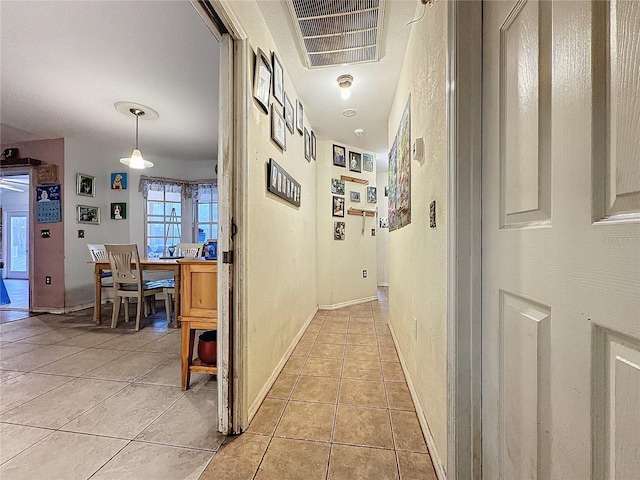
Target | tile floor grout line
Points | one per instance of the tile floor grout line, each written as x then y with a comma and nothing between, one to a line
112,457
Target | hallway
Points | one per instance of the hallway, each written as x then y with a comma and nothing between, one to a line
84,401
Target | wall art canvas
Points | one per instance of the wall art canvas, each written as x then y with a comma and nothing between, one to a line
281,184
338,230
48,204
339,156
355,196
338,206
400,173
372,194
118,211
85,185
355,162
367,162
119,181
337,186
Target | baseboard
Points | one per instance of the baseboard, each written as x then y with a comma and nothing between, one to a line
431,444
262,394
347,304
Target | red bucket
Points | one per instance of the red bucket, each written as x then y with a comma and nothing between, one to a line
208,347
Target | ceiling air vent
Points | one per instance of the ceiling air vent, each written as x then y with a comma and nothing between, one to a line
333,32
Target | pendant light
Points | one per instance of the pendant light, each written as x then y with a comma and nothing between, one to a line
136,160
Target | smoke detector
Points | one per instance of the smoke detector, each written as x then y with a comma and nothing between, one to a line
349,112
359,132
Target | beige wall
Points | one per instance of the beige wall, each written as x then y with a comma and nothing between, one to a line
382,240
281,238
341,262
417,253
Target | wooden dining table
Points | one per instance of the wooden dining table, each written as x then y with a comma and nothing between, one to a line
168,264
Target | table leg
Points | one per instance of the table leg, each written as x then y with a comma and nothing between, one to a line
176,297
187,339
97,309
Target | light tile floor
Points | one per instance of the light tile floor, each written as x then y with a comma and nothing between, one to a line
339,410
80,401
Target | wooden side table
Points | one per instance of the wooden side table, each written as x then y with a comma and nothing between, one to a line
199,311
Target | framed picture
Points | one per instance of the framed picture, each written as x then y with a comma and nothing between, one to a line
372,195
338,206
355,196
313,145
278,129
119,181
339,156
355,162
282,184
278,79
87,214
307,145
299,116
262,80
85,185
118,211
386,191
367,162
289,113
337,186
338,230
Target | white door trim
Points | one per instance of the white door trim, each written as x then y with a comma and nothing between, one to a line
464,204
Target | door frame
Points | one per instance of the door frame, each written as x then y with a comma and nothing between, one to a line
464,238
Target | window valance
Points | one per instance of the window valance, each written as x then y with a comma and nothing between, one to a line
189,188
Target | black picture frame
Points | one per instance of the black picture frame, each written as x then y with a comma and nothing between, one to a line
281,184
338,206
313,145
262,80
367,162
307,145
299,116
278,79
289,112
278,128
339,156
355,162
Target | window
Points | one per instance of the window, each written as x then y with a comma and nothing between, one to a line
206,212
163,218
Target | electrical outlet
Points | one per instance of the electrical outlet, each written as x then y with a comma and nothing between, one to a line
47,280
364,274
415,328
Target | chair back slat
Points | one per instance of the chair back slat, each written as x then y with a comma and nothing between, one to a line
98,252
189,250
121,259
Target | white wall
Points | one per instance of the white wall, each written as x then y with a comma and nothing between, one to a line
382,240
341,262
280,238
417,253
95,160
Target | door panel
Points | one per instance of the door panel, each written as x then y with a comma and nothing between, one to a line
561,240
18,245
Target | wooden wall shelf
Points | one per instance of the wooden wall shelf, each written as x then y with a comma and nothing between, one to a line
359,212
354,179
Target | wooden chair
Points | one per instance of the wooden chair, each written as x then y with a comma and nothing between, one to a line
99,254
187,250
128,282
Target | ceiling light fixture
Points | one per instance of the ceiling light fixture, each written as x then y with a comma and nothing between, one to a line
344,82
358,132
136,160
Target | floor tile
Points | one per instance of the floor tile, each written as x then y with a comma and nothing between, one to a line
316,389
392,372
332,337
22,332
237,459
62,404
7,374
302,349
53,336
168,374
9,350
132,341
389,354
127,413
146,461
81,362
91,339
398,396
416,466
309,336
190,422
89,453
307,421
129,366
167,344
16,438
19,390
327,350
362,392
360,369
283,386
407,432
294,365
361,339
294,460
363,426
267,417
39,357
323,367
362,352
362,328
358,463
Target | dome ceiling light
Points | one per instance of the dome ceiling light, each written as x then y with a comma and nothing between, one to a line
344,82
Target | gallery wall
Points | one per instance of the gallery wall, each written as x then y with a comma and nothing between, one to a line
280,237
418,253
382,242
341,262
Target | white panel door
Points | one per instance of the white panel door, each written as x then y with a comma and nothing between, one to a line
561,240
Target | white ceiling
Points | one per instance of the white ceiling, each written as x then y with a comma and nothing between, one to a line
65,64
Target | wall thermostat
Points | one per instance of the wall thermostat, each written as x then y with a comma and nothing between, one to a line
418,149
